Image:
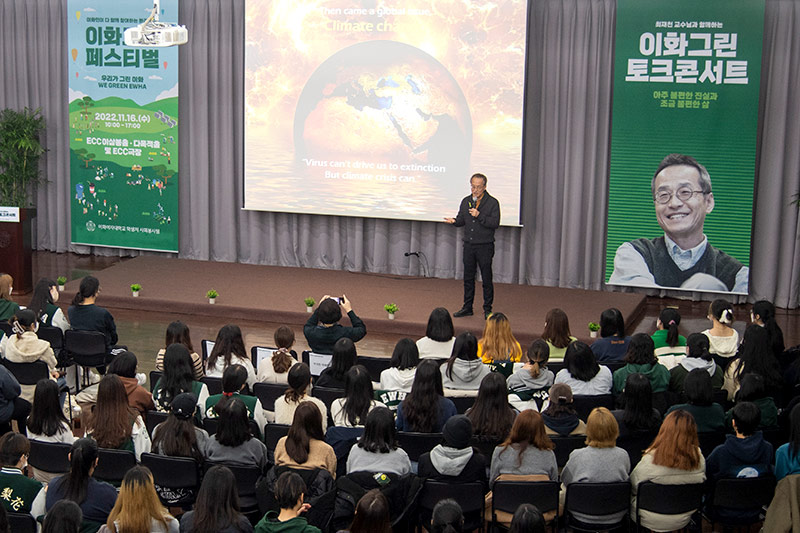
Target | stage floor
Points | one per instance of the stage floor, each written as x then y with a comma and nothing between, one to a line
275,294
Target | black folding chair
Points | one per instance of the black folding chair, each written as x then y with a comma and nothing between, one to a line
154,418
468,495
273,433
374,365
112,465
667,499
749,494
597,500
462,403
584,404
6,328
50,457
565,445
55,337
246,478
710,440
21,523
326,394
267,393
86,349
174,473
155,375
31,373
635,443
214,385
507,496
415,444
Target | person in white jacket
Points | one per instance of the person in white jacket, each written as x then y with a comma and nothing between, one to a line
722,338
400,376
464,370
23,346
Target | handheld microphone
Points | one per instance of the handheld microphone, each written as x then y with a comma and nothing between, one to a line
472,202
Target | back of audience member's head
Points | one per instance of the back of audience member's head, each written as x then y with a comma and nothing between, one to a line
556,328
289,490
358,395
637,397
612,323
178,373
298,379
670,319
88,288
491,414
372,514
794,432
527,519
764,311
753,387
537,356
329,312
465,348
421,406
380,434
217,502
111,415
677,445
138,505
447,517
234,424
721,311
756,357
405,354
641,350
63,517
176,436
602,428
344,357
498,341
42,296
306,425
698,346
528,430
229,342
580,361
178,332
560,401
124,365
282,359
440,325
24,320
82,460
698,389
746,418
12,447
234,378
47,418
457,432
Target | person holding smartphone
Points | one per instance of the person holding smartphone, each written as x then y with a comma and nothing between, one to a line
322,329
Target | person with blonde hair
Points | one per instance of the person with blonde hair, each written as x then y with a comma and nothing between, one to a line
138,509
498,346
556,333
602,461
674,458
723,339
7,307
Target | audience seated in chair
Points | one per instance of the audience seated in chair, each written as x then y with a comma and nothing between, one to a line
697,356
298,393
669,344
233,443
527,519
613,343
217,506
723,339
23,346
43,304
787,456
439,336
351,411
642,359
47,422
178,378
124,365
454,460
582,373
64,517
425,409
498,347
492,415
403,366
447,517
464,370
138,507
377,450
559,415
755,357
85,315
234,383
304,446
289,494
229,350
527,451
556,333
708,416
344,357
275,369
754,389
113,423
21,494
178,332
638,414
528,385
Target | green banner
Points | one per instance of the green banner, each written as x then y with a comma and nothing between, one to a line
686,82
123,128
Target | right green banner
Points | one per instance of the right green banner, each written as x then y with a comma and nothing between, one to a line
683,143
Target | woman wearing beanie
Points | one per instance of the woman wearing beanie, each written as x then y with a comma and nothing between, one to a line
454,460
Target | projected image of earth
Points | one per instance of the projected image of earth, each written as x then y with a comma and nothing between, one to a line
386,102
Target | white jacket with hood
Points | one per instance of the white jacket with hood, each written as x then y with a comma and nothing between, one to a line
466,375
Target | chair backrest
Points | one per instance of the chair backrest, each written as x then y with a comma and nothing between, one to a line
86,348
273,433
206,347
154,418
51,457
259,353
246,478
744,493
565,445
584,404
267,393
6,328
112,465
21,523
710,440
173,472
317,362
598,499
27,373
415,444
635,443
211,425
668,499
468,495
327,395
509,495
53,335
214,385
155,375
462,403
374,365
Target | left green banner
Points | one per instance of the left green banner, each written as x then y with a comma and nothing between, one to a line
123,127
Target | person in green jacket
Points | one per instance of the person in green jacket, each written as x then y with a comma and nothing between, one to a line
7,307
289,492
670,346
641,358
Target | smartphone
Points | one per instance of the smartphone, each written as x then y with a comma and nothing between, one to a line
337,299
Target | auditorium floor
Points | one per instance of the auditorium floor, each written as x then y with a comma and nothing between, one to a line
144,334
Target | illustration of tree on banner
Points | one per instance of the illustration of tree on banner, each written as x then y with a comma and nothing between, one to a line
83,156
86,103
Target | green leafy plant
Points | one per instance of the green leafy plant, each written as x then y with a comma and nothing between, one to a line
61,280
391,308
594,326
136,287
20,151
309,302
212,294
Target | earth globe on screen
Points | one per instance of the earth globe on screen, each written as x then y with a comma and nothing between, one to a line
384,101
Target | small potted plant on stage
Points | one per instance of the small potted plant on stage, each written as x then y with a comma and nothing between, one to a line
594,327
212,296
135,288
391,309
61,280
309,304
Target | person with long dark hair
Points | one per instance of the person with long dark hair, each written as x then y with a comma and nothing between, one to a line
43,304
304,446
638,414
20,494
233,443
113,423
708,415
12,405
464,370
124,366
613,343
8,308
763,314
229,350
454,460
669,344
24,346
425,409
755,357
787,456
47,422
492,415
377,449
372,514
723,339
641,359
527,519
556,333
358,401
217,507
559,414
178,378
95,498
138,508
439,336
344,357
290,491
64,517
275,369
582,373
86,315
403,366
754,389
531,382
178,332
698,356
234,380
527,450
299,391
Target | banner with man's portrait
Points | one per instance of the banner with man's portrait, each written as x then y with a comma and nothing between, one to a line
683,144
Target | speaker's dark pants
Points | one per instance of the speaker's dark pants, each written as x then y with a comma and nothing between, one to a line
478,256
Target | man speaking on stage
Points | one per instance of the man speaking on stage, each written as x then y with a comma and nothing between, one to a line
480,213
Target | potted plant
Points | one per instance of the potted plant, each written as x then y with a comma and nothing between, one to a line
594,327
135,288
212,296
20,151
309,304
61,280
391,309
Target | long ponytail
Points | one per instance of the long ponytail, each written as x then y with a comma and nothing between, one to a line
766,312
82,458
670,318
88,288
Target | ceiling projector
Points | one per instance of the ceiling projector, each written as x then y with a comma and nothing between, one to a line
152,33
